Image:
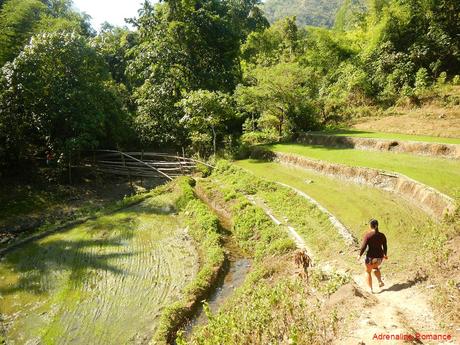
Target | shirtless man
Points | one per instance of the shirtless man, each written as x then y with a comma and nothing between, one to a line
376,244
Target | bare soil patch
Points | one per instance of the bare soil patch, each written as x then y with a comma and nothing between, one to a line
429,120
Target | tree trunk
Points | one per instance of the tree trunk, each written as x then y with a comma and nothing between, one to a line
281,127
214,139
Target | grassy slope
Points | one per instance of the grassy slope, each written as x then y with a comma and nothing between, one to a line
390,136
76,277
274,305
308,221
354,205
442,174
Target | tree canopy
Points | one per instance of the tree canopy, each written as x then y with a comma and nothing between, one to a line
307,12
200,74
58,95
21,19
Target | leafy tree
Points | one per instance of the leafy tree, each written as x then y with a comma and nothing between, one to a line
351,14
115,43
185,46
406,35
21,19
280,96
17,23
308,12
58,94
280,42
206,115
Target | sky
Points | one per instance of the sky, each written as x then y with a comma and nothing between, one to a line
112,11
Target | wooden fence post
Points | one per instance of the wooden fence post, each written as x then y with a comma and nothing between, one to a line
70,167
127,168
142,177
180,164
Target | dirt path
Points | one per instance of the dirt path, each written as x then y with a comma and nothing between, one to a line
399,308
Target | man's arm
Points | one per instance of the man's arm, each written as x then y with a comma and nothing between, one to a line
384,245
363,246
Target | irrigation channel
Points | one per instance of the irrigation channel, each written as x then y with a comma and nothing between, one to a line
235,271
107,280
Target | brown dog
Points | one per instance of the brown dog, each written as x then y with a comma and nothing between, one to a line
302,260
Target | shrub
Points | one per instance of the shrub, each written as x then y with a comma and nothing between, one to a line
256,138
421,80
262,153
442,78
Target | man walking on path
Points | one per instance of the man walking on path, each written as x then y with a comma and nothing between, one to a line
376,244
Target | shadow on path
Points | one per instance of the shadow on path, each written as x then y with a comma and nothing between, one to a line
406,285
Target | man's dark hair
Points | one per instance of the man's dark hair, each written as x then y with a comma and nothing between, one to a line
374,224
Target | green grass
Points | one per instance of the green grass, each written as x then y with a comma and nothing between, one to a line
442,174
306,218
253,230
265,312
389,136
405,226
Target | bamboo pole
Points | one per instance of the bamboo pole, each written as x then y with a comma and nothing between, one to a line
127,168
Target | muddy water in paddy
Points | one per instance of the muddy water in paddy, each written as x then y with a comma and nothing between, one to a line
235,271
104,282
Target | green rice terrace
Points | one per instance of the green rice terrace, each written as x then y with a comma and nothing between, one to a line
390,136
138,274
439,173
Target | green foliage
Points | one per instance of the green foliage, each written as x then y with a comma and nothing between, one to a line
377,54
17,20
58,94
264,312
178,72
253,229
421,80
256,233
271,301
309,12
327,282
186,195
275,44
280,99
184,47
258,137
206,114
114,43
21,19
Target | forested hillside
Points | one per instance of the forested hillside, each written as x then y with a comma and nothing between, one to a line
210,76
308,12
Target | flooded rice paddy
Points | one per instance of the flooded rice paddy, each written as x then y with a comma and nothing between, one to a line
103,282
